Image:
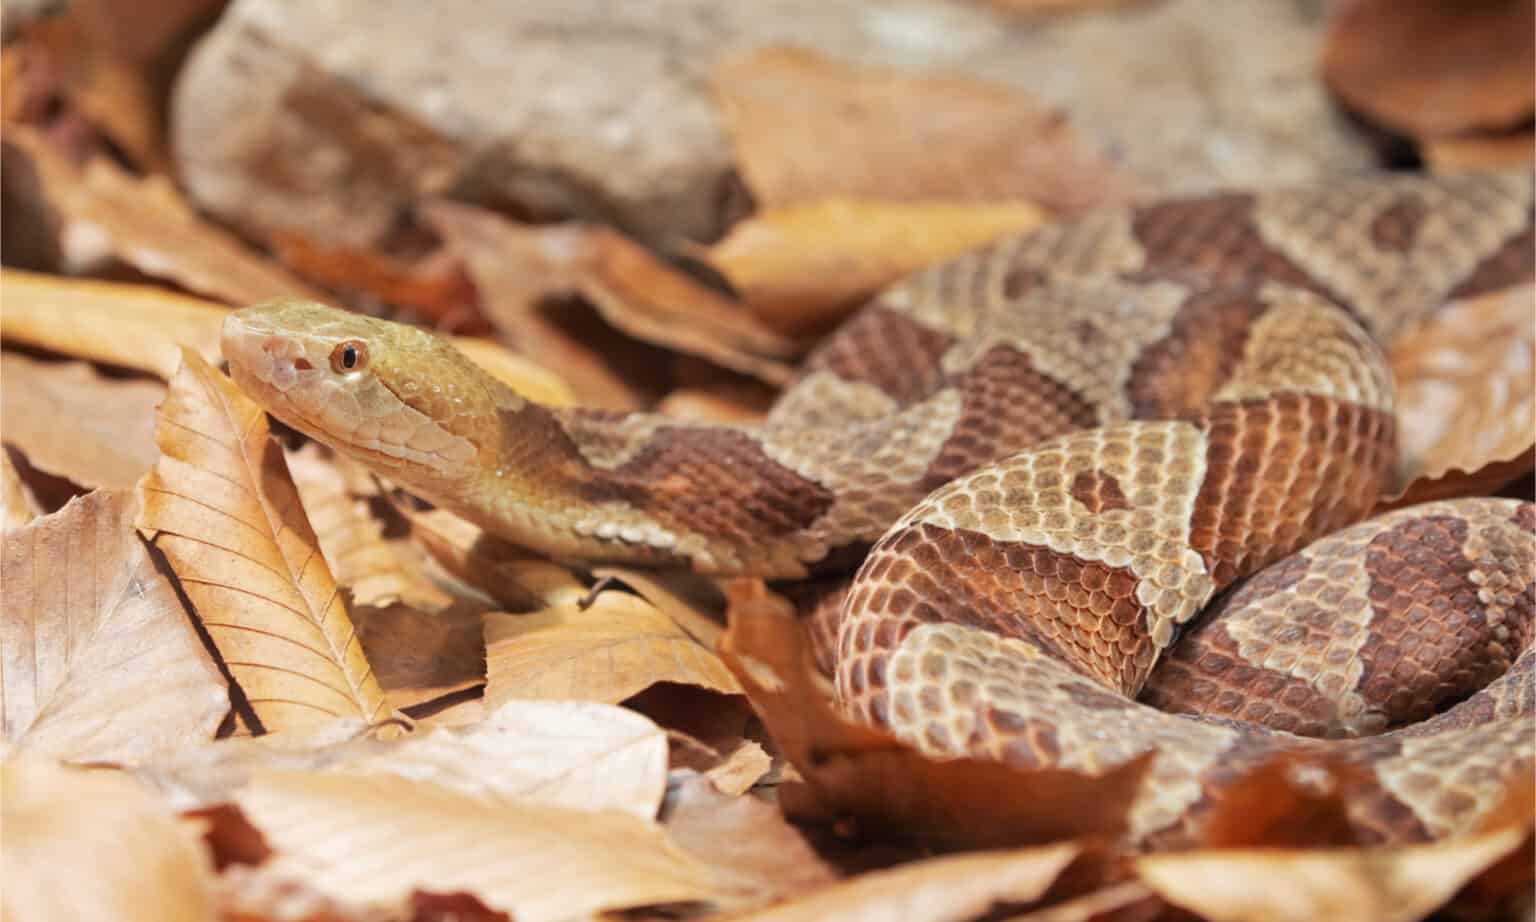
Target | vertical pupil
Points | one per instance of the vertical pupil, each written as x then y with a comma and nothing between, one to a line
348,356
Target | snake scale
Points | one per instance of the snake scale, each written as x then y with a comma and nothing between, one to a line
1055,456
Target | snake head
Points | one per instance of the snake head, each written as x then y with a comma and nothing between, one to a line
393,396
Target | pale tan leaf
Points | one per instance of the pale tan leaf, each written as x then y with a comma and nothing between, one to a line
574,754
373,839
221,507
143,864
100,661
1128,901
693,601
136,326
17,504
1384,884
145,222
1465,396
740,768
110,437
377,572
618,646
1479,151
518,579
258,893
957,888
753,851
805,127
802,268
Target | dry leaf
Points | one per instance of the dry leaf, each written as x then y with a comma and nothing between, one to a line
110,440
806,128
957,887
856,772
424,662
1384,884
1479,151
94,845
732,406
17,503
518,372
518,579
803,268
650,300
753,852
1427,68
738,770
146,223
517,269
693,601
134,326
221,507
100,662
374,839
1128,901
616,647
429,286
573,754
1464,396
377,572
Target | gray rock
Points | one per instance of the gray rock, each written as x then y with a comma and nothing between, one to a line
327,118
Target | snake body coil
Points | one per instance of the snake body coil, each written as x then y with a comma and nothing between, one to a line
1058,451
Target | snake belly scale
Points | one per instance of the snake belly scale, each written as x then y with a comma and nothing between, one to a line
1059,453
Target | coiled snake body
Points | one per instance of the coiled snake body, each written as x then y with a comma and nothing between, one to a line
1059,450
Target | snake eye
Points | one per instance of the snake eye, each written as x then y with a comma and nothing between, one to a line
349,356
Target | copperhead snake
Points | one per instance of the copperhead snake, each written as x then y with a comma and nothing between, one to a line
1058,450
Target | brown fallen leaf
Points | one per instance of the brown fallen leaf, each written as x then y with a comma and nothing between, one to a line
17,504
377,572
802,268
432,287
536,862
222,509
693,601
956,887
145,865
1479,151
110,439
573,754
518,579
613,648
854,772
99,661
1127,901
133,326
754,853
143,327
527,279
1427,68
146,223
1464,396
805,127
424,661
1384,884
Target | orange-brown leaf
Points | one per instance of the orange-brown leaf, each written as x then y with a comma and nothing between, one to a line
222,508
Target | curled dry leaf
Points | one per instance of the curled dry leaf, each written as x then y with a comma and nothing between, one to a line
431,286
1127,901
804,128
802,268
374,839
755,854
110,441
221,507
99,660
612,649
423,661
517,579
1427,68
133,326
144,222
1385,884
143,863
1468,419
856,772
1479,151
949,889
